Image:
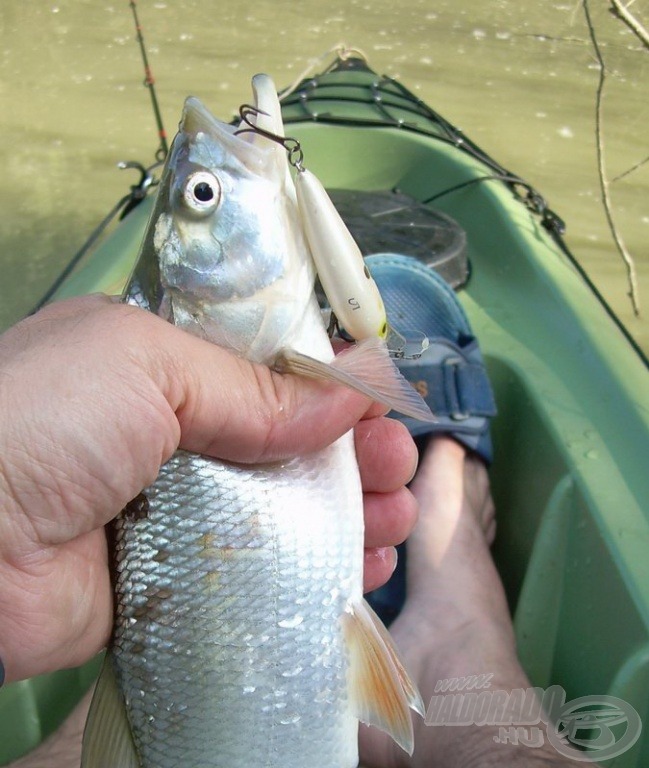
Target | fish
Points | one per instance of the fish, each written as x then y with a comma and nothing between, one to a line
241,636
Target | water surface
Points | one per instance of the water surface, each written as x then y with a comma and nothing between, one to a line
518,77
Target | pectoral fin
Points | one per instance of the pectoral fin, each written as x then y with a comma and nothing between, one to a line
382,694
107,739
366,367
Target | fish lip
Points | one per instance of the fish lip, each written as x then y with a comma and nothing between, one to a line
196,117
247,148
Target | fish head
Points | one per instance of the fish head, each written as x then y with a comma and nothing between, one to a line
224,255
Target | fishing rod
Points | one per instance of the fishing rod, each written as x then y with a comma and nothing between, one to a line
138,191
149,83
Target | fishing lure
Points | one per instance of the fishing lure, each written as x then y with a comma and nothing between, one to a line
346,280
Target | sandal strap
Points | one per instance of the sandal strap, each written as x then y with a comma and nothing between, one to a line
453,384
453,380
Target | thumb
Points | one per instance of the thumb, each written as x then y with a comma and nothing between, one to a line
240,411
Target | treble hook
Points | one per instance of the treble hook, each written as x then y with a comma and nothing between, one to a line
291,145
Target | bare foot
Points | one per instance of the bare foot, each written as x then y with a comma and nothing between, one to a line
455,621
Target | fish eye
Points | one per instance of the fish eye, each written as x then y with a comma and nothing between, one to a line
202,192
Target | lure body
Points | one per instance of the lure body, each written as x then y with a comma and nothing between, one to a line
346,280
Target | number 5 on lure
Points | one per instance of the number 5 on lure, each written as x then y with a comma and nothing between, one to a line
346,280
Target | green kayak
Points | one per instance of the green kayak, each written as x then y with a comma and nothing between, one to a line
571,440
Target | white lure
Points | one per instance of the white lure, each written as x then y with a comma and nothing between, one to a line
352,293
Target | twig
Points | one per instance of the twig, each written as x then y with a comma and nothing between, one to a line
630,170
601,167
624,14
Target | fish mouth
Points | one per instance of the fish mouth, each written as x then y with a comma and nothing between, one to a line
243,141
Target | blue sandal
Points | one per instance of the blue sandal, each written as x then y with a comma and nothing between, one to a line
449,374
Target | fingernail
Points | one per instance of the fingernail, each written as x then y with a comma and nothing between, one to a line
396,559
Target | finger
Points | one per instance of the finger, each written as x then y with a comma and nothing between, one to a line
387,455
268,416
389,517
378,566
234,409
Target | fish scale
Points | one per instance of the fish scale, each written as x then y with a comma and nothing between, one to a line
252,636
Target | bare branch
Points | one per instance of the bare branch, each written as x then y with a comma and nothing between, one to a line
630,170
624,14
601,167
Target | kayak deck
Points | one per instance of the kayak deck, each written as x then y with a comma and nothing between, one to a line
571,439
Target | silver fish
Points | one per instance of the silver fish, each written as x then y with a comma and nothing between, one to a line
241,634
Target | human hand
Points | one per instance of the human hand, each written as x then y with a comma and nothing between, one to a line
94,397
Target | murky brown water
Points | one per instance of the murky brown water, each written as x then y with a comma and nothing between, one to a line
518,77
